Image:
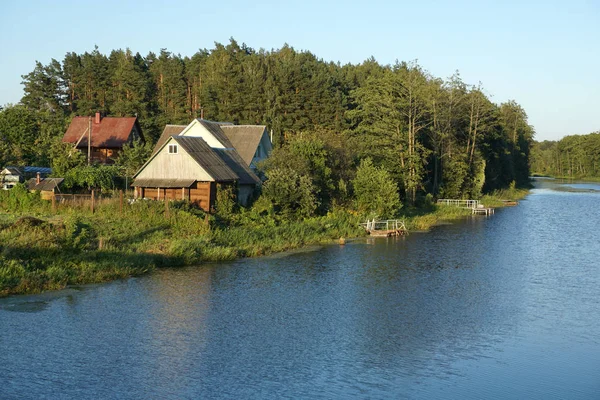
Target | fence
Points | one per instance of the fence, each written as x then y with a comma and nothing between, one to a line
84,200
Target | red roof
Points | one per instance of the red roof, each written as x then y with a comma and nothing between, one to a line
111,132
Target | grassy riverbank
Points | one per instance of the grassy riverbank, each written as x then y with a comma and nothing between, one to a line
571,178
428,216
42,249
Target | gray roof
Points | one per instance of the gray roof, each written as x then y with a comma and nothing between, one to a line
46,184
207,158
235,162
164,183
245,139
169,131
217,132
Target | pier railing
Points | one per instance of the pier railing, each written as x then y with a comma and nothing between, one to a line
460,203
386,225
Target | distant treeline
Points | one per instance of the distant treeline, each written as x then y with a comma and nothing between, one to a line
576,156
442,137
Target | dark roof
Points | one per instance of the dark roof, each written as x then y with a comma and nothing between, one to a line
111,132
164,183
169,131
46,184
208,159
237,165
245,139
217,132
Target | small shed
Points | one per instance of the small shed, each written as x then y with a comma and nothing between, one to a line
46,186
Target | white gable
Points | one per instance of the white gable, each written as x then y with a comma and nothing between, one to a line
178,165
196,129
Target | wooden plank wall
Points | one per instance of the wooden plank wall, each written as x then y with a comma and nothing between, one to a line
201,193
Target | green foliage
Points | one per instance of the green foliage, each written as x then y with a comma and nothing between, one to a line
19,199
75,246
92,177
78,233
436,136
19,135
133,156
575,156
290,193
64,158
375,190
310,157
226,203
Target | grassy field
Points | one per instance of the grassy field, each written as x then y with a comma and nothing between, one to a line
44,249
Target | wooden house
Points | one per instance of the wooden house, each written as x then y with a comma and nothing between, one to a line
188,168
108,136
252,142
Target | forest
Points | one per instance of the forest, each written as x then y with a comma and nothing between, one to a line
370,135
574,156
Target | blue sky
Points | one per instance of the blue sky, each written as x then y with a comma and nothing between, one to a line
543,54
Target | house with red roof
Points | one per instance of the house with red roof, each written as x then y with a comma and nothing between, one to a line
107,136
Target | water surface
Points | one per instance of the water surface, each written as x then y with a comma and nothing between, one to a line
497,307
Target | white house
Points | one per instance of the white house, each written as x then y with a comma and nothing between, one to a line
252,142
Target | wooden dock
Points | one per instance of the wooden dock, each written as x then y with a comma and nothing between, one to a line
386,228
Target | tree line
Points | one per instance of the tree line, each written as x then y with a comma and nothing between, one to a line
575,156
423,134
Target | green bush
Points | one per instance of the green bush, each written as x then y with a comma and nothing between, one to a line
79,234
289,193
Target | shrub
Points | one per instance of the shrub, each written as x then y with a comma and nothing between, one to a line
289,193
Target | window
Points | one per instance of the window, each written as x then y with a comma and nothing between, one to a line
172,149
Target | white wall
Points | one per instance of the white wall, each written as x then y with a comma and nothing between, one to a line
196,129
174,166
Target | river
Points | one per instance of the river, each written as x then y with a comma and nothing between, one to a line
499,307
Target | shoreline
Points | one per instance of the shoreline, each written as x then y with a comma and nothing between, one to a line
70,247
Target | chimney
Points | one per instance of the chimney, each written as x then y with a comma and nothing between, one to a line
97,120
37,179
